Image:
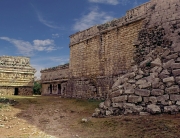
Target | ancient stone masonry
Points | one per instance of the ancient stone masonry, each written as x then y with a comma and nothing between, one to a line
16,76
54,80
152,85
101,53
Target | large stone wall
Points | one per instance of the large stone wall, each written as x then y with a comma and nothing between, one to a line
101,53
16,72
152,85
54,80
106,49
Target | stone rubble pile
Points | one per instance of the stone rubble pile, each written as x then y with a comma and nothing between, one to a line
153,85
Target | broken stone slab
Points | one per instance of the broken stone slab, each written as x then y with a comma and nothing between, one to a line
169,79
171,109
142,81
157,92
153,99
166,52
119,99
116,93
156,62
163,98
117,105
145,85
129,91
168,64
175,66
120,81
143,113
142,92
172,89
155,83
144,63
172,56
138,77
134,99
178,102
177,79
130,75
176,72
153,109
107,103
156,69
175,97
108,113
132,81
101,105
97,111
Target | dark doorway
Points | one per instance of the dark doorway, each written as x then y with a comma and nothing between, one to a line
50,88
59,88
16,91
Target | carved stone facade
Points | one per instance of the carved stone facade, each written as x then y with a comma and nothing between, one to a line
54,80
16,76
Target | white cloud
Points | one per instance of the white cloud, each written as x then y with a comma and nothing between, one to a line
55,35
23,47
112,2
46,22
27,49
94,17
44,45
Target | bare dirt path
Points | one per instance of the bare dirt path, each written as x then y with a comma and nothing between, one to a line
55,117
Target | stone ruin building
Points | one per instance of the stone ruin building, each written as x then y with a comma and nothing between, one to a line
132,62
54,80
16,76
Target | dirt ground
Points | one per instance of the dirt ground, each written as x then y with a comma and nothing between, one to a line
56,117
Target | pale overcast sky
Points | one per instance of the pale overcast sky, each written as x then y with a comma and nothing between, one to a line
40,29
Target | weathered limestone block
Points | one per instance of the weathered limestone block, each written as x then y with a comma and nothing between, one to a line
178,102
145,85
172,89
168,64
175,97
169,79
164,74
156,69
107,103
132,81
143,113
163,98
119,99
117,105
116,93
142,92
156,83
172,108
129,105
175,66
156,62
153,109
167,52
134,99
138,77
101,105
129,91
176,72
144,63
177,79
172,56
157,92
129,75
153,99
137,109
120,81
142,81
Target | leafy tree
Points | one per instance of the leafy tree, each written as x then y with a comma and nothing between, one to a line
37,88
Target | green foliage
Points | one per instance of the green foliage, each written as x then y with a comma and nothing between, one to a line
37,88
